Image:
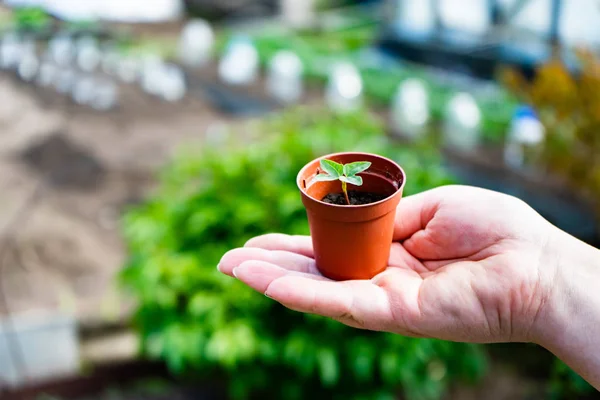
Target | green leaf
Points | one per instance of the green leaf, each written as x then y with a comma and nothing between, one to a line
389,365
356,168
353,180
328,367
332,168
325,178
202,303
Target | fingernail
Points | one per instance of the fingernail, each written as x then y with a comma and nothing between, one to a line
267,295
233,272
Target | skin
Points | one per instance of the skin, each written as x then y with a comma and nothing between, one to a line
466,265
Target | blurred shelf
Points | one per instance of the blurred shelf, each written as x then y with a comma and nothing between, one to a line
476,56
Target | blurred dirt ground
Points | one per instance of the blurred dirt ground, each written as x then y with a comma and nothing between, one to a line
63,242
64,249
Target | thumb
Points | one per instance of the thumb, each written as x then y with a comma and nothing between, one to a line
414,213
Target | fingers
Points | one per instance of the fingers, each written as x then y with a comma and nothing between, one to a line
259,275
289,252
401,258
276,241
345,301
286,260
413,214
373,305
423,246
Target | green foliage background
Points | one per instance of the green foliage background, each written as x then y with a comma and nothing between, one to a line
202,322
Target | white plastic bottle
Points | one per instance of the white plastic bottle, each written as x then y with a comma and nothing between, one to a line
298,14
10,51
29,62
525,137
128,69
152,75
83,89
174,87
410,109
47,74
89,55
110,60
462,124
196,43
240,64
344,89
65,80
62,50
105,96
284,77
28,67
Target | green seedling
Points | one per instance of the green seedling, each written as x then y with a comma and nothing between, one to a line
347,174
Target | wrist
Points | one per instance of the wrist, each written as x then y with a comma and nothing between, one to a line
568,322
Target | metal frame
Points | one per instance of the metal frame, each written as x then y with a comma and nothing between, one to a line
479,59
502,17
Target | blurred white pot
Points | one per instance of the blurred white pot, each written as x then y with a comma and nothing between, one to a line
196,43
45,346
298,14
284,78
344,89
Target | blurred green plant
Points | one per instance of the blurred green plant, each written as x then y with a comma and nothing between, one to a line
201,322
31,19
567,384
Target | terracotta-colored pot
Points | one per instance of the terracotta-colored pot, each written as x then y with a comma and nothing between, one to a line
352,242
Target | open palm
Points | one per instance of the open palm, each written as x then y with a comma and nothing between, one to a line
468,265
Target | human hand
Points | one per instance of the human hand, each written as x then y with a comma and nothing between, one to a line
468,265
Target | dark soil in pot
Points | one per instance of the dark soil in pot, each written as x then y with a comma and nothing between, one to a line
356,198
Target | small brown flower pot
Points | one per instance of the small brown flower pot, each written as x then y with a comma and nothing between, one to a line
352,242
